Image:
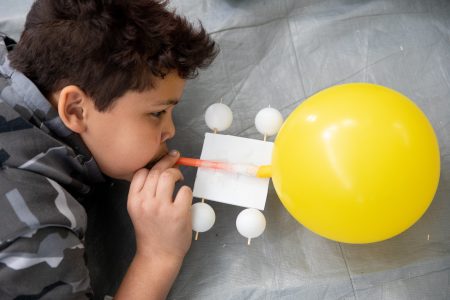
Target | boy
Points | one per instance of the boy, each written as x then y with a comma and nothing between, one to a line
89,91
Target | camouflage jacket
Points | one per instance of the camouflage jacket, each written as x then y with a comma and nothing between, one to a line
44,167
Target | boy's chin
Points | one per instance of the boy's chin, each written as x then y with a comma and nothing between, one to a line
128,178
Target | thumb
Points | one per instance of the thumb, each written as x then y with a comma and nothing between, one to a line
167,161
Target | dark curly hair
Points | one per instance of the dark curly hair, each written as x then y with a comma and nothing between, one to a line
107,47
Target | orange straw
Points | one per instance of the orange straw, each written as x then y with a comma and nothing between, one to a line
195,162
246,169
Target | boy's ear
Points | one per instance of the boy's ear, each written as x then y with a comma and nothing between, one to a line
72,108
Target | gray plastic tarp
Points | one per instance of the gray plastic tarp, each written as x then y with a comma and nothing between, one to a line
279,53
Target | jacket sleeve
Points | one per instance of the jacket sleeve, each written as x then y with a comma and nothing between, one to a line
48,263
41,239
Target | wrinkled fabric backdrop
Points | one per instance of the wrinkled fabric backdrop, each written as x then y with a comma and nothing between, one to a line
280,53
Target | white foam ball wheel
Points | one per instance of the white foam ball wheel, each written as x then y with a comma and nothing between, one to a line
251,223
203,217
268,121
218,117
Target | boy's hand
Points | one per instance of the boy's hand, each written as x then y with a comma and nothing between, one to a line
162,224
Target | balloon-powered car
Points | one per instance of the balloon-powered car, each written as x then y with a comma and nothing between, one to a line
354,163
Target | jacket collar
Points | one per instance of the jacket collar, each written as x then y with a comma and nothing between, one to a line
21,91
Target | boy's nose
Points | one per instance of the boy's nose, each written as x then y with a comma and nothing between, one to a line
168,131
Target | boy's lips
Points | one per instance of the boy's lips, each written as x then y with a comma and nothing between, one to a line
158,158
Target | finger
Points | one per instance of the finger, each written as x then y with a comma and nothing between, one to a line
167,161
184,198
166,183
151,183
138,180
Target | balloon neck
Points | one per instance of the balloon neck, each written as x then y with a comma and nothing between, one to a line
264,172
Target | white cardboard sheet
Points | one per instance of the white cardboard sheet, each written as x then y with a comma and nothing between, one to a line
230,188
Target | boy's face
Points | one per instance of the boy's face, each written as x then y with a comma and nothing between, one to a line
133,133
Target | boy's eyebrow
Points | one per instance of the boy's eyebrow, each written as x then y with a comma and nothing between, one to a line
168,102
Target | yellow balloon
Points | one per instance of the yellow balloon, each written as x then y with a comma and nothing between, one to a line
356,163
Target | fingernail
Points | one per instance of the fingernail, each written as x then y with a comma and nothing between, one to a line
173,153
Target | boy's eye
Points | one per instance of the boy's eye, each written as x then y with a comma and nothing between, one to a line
158,113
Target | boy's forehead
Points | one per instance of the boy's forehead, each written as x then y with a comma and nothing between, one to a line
168,90
165,92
